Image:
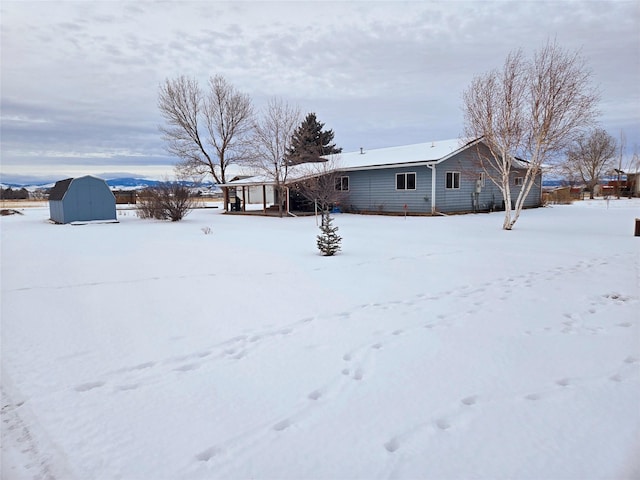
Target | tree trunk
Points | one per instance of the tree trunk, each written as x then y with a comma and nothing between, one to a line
506,198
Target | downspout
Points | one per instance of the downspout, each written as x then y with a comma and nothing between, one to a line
432,167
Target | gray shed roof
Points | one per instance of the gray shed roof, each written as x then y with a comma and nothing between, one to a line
59,189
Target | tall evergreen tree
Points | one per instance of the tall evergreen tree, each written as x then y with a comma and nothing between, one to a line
310,141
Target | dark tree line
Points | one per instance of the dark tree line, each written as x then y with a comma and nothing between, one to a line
11,194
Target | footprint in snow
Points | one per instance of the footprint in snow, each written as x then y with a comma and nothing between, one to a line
563,382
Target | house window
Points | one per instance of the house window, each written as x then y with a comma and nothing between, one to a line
405,181
453,180
342,184
518,181
482,179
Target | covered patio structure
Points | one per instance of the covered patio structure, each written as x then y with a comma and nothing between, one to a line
247,194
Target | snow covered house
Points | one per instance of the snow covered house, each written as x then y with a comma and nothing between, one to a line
424,178
81,199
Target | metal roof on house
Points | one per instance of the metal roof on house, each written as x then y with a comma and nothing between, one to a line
405,154
419,153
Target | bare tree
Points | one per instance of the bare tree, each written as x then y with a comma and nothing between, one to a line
165,201
531,109
634,167
589,157
207,132
272,135
323,183
621,149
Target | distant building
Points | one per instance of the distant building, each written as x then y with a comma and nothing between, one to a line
81,199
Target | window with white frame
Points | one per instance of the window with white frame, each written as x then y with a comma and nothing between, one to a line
342,184
452,180
406,181
518,181
482,178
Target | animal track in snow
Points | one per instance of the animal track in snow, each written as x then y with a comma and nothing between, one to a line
142,366
85,387
315,395
208,454
187,367
563,382
443,424
132,386
469,400
392,445
283,425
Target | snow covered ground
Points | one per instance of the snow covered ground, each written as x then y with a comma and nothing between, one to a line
439,348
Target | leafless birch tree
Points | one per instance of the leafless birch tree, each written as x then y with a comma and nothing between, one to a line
589,157
272,134
531,109
209,131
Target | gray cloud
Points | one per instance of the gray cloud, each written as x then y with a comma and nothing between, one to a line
82,77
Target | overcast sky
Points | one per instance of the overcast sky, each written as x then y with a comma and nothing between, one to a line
80,79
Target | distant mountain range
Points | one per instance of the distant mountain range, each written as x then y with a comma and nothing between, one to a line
132,183
125,183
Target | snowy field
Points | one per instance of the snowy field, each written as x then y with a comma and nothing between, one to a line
435,348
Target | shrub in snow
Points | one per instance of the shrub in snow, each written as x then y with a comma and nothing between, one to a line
166,201
328,241
206,230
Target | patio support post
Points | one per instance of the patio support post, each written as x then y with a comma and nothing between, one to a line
244,199
264,198
287,199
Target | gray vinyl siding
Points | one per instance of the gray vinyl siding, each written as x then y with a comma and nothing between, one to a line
374,190
56,211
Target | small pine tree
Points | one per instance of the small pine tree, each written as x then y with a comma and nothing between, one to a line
328,240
